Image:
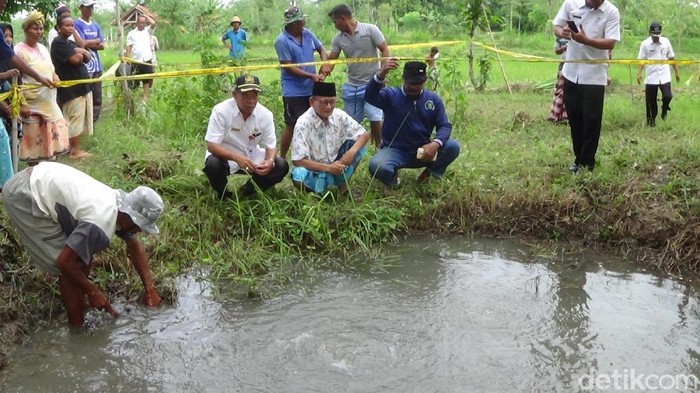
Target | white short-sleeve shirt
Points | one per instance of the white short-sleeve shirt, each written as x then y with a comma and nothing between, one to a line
603,22
140,43
657,74
250,137
320,142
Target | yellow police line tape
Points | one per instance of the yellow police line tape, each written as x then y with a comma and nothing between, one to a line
255,59
235,69
519,56
535,59
106,77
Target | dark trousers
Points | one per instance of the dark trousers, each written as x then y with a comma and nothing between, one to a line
584,106
651,92
217,171
96,96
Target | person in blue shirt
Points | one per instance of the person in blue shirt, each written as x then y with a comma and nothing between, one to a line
296,44
93,41
236,38
411,113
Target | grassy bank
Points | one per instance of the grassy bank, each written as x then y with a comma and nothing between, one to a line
510,180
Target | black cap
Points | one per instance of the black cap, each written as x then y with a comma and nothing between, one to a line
247,83
655,28
323,89
61,9
414,72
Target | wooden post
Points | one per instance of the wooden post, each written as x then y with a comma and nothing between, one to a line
498,56
125,92
14,137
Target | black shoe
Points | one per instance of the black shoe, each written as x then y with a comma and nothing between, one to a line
664,114
652,122
574,168
395,184
226,195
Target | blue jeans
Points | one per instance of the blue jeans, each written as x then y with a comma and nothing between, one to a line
386,161
354,104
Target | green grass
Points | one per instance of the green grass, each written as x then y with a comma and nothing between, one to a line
511,179
515,71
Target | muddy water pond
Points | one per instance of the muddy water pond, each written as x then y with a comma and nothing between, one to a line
452,315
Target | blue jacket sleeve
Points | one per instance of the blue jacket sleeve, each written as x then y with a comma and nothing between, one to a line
375,94
443,127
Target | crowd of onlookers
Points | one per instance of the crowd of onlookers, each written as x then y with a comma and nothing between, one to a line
52,120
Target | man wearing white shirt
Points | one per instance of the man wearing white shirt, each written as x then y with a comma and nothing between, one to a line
53,33
241,139
138,43
597,25
658,76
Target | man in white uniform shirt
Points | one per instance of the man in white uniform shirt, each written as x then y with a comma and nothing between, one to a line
241,139
138,47
597,24
658,76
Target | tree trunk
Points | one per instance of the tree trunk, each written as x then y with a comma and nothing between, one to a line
470,56
127,97
510,22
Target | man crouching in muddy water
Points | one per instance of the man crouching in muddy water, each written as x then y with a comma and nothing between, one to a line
64,217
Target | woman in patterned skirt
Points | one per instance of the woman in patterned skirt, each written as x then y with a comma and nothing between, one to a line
44,131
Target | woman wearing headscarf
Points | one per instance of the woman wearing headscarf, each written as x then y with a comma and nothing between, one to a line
45,134
6,73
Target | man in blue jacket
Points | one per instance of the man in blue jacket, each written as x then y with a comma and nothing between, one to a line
411,113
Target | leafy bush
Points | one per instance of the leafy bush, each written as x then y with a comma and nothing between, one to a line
410,19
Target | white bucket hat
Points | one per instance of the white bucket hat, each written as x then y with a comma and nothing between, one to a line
143,205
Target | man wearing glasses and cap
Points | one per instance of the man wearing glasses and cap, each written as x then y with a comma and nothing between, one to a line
296,44
64,217
241,139
411,113
658,76
237,39
328,143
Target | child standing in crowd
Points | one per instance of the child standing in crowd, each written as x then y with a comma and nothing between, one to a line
433,73
557,113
